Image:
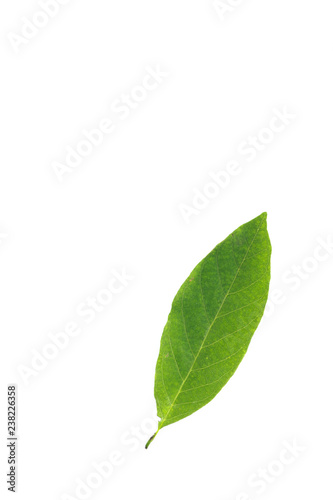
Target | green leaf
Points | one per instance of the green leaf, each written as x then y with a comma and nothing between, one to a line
212,320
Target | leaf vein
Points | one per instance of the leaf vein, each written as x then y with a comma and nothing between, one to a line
249,286
221,361
186,334
174,357
166,392
232,333
210,383
240,308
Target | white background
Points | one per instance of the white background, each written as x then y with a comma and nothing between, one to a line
120,209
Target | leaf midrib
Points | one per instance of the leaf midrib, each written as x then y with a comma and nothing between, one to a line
209,329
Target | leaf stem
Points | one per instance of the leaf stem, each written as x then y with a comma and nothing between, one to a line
150,440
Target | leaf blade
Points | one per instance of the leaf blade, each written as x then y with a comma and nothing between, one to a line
212,320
